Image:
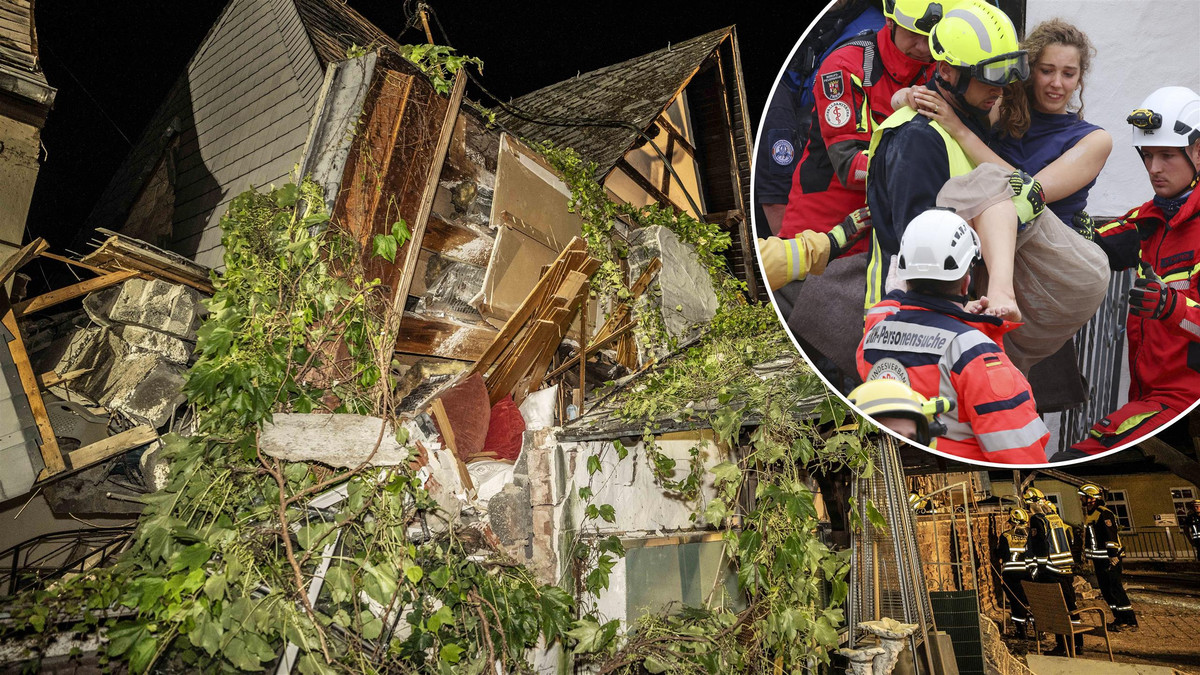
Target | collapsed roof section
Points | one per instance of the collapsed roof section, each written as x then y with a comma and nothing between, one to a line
244,111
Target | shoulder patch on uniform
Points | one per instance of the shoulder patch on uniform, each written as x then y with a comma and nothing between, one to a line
833,85
782,152
837,114
1000,379
888,369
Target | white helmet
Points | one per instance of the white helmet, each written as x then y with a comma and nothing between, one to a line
1169,117
937,245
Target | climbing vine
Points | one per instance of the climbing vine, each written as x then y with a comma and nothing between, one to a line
218,576
743,373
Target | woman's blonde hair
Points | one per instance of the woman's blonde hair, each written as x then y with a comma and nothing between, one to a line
1016,104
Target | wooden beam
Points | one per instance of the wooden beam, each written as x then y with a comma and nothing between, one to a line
413,248
583,330
51,456
110,447
438,409
71,292
76,263
443,338
589,351
524,312
21,258
52,378
641,181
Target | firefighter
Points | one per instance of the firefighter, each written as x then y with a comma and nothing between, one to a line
1048,554
925,338
1102,545
1159,239
1191,526
893,404
853,92
787,260
1010,558
911,157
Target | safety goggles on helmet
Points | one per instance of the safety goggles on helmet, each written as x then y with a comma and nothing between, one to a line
1003,69
931,13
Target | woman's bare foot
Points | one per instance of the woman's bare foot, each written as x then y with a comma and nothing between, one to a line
1001,307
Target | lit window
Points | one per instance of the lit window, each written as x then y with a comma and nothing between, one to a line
1180,498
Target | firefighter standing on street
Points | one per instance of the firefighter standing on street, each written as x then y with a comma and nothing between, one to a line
1048,553
1102,545
1191,526
1010,558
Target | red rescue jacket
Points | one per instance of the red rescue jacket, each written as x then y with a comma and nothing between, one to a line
1164,354
853,92
941,350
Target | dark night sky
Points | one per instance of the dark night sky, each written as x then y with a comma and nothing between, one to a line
114,61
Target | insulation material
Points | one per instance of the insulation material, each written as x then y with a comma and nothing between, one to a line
530,214
450,292
422,380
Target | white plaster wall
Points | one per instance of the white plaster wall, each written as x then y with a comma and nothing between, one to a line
1141,45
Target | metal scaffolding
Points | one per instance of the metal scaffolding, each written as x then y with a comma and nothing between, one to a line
885,565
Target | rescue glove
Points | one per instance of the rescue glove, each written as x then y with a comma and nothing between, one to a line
1027,197
1150,297
847,233
1083,225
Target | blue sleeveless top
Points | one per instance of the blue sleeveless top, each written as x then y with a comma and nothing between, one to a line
1049,136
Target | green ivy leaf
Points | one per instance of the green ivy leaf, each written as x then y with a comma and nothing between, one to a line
339,583
401,232
608,513
726,472
385,246
192,557
450,653
413,572
440,577
593,464
286,195
653,664
314,533
442,617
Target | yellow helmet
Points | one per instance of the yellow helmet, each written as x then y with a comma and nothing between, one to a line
1091,491
918,16
982,41
1018,517
892,398
1033,494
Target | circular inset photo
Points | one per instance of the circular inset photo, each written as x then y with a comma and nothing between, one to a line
979,219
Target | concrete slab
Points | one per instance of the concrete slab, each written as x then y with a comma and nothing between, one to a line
340,440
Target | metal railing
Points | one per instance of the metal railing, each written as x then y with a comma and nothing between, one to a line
1157,544
1100,346
37,561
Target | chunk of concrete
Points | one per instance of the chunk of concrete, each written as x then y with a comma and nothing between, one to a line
340,440
169,308
140,384
683,289
141,339
511,519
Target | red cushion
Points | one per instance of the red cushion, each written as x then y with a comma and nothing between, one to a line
504,430
467,411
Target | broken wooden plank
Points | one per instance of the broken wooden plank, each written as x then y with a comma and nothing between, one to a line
53,379
122,252
21,258
535,340
590,350
112,446
442,338
580,392
99,271
71,292
51,456
438,409
526,310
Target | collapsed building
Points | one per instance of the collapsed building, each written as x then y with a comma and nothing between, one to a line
501,352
